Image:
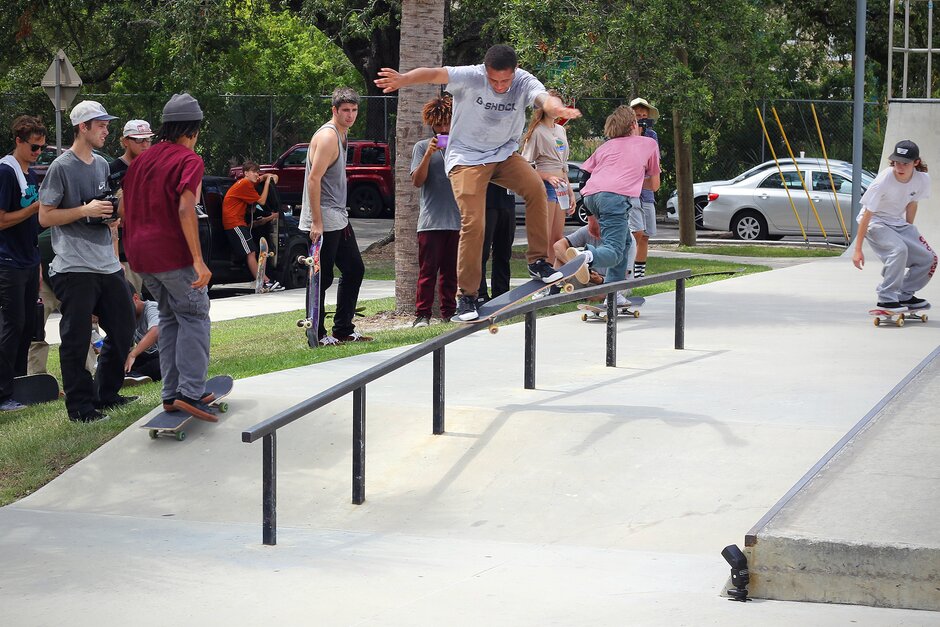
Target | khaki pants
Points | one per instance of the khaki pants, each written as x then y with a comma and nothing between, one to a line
469,185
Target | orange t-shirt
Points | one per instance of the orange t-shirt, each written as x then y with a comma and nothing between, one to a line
236,202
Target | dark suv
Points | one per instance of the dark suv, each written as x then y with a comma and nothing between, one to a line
229,268
370,179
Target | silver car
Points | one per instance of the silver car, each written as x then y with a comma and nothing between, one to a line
758,206
700,190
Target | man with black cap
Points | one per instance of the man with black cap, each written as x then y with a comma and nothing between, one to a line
161,239
86,275
886,220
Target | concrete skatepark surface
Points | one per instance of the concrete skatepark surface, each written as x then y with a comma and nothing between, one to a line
602,497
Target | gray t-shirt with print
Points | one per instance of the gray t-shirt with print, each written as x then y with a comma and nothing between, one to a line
438,208
486,126
149,319
79,247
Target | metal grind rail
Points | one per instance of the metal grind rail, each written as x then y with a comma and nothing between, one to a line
267,430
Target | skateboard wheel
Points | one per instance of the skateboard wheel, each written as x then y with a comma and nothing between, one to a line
302,260
493,329
223,407
923,318
180,436
154,434
636,314
568,288
901,321
584,317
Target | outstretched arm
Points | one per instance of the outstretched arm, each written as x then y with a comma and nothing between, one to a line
392,80
555,108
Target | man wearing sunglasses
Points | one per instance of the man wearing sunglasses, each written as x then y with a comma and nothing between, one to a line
85,274
19,253
136,138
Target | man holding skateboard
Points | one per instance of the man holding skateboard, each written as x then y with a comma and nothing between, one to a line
19,253
324,215
161,232
489,113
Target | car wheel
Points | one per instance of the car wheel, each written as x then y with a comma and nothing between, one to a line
294,275
365,202
749,225
581,213
699,204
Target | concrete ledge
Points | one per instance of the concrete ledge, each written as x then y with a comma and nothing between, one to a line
848,531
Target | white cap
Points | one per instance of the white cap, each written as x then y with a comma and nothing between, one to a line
88,110
138,129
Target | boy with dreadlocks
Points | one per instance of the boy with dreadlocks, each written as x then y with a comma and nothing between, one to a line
438,218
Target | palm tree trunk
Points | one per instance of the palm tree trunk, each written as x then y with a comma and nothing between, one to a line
422,42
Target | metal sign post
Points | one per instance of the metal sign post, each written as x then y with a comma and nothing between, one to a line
61,83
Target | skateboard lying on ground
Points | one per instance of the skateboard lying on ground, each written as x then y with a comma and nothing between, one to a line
599,312
312,322
263,255
898,317
492,308
172,423
35,388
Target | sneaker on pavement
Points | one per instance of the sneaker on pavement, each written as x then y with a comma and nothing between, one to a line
541,270
115,402
272,286
90,416
136,379
467,308
584,273
891,306
915,303
329,340
421,321
195,408
356,336
11,405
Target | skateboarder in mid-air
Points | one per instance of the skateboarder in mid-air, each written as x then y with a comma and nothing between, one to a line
489,114
886,220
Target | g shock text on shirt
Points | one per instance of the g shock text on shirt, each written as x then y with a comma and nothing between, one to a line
496,106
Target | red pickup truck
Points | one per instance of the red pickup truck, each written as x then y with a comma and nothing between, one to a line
370,178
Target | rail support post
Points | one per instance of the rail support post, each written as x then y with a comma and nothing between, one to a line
680,314
612,330
359,446
438,392
269,489
529,376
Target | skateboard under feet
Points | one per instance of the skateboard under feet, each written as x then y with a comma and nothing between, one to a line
171,423
883,316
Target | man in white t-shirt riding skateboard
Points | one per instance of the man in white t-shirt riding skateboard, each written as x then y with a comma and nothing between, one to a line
489,114
887,222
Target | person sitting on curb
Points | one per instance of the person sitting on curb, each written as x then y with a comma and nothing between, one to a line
143,362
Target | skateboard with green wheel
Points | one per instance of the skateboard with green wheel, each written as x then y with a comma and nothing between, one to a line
172,423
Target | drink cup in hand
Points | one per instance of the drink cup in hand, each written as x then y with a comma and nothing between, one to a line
442,141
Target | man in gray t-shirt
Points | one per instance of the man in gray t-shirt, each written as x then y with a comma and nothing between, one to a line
489,114
86,275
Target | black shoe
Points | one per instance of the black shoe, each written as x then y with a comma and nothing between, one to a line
195,408
891,306
117,401
544,272
90,416
168,406
915,303
466,309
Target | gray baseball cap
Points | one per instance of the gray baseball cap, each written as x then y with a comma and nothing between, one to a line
182,108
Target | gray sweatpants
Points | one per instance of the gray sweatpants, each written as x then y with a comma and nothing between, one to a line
184,331
909,261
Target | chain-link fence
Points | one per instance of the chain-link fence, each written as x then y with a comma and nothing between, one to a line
238,127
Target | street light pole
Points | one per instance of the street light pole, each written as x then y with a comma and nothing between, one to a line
858,110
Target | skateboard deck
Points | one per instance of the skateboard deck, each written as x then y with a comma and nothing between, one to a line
898,317
311,324
263,255
35,388
501,303
597,312
172,423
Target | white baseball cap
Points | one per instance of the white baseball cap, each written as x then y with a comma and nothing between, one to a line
88,110
137,129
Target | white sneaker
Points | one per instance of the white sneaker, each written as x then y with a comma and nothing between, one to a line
329,340
583,274
621,301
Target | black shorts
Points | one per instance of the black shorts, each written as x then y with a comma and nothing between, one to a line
239,240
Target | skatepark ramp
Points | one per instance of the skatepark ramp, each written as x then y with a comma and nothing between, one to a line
266,431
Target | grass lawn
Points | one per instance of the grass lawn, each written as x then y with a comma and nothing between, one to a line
39,443
755,250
